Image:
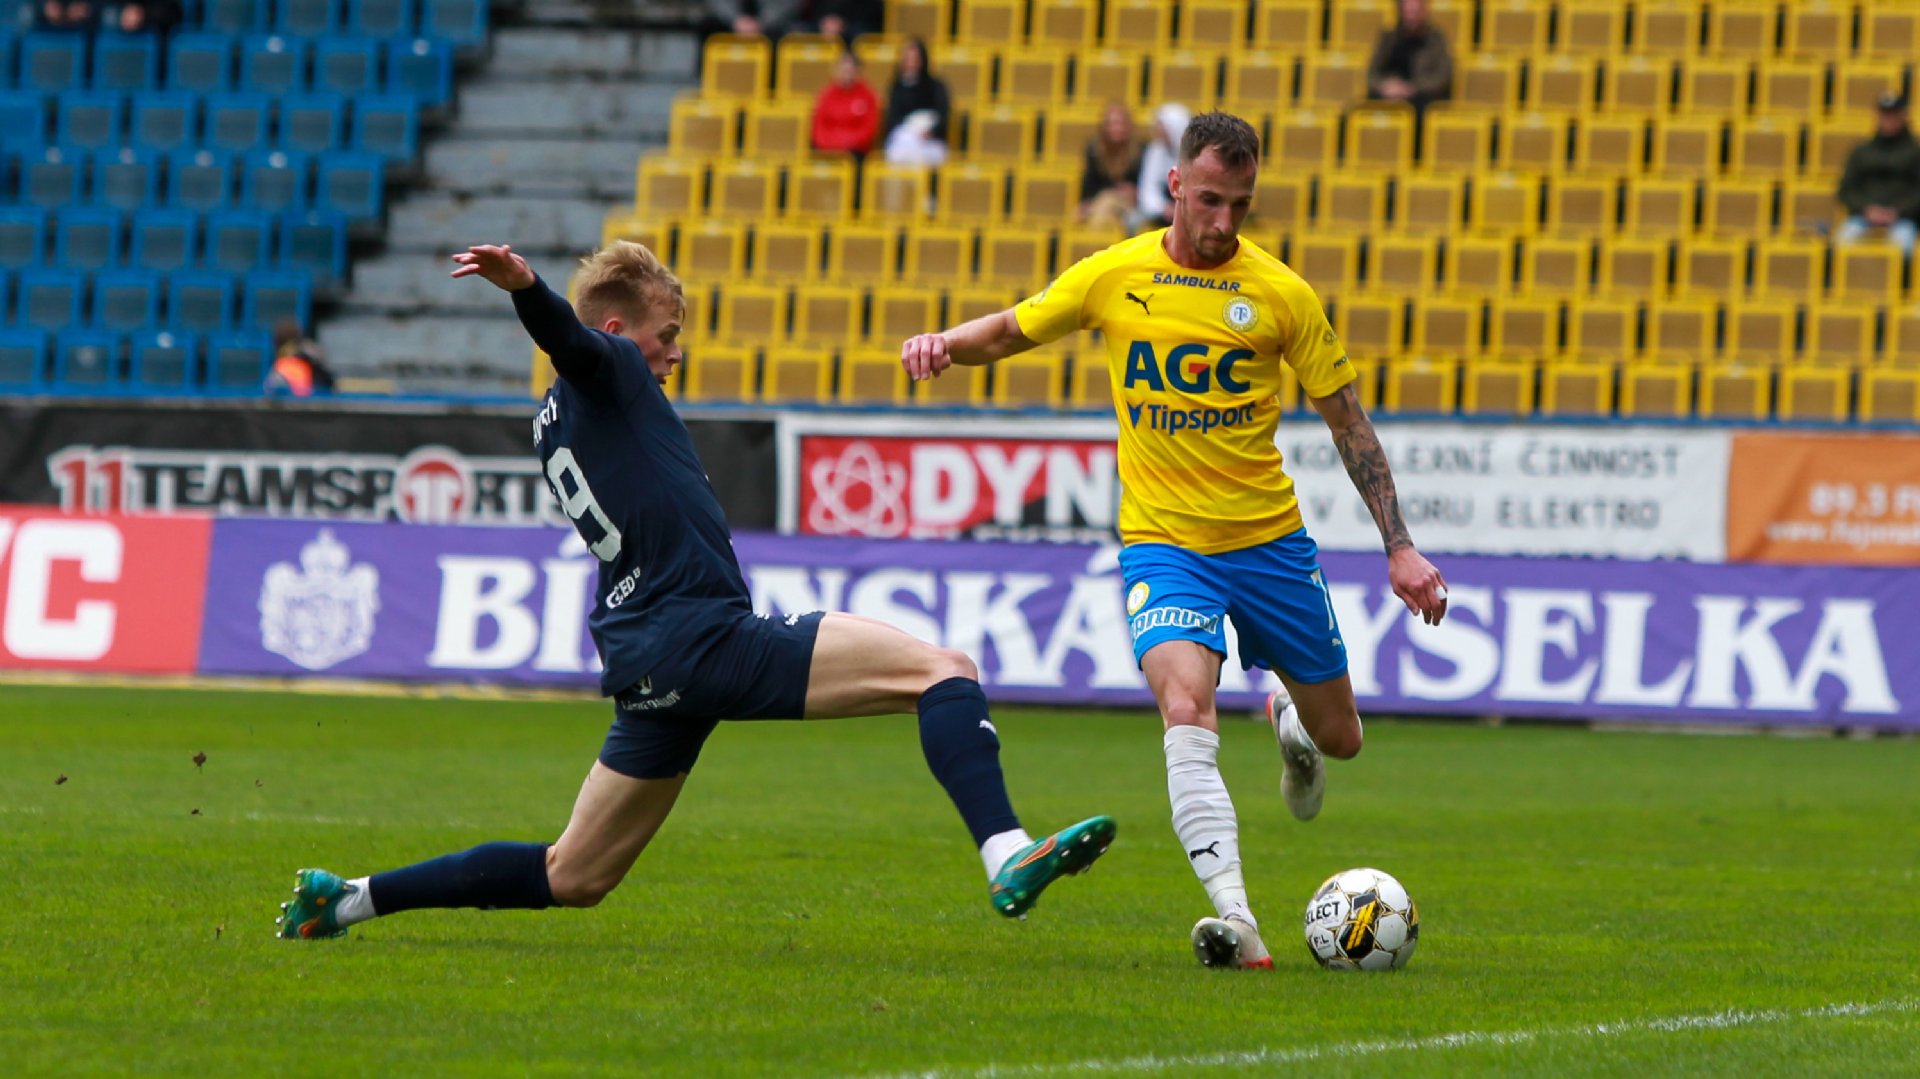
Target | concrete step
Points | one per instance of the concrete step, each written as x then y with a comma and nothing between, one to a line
525,167
566,107
442,224
641,55
464,355
410,282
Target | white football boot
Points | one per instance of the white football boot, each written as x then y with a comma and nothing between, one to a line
1231,943
1303,783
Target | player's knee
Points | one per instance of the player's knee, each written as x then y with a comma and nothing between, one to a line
581,891
948,663
1341,739
1186,712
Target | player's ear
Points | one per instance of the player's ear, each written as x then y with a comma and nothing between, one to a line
613,326
1173,181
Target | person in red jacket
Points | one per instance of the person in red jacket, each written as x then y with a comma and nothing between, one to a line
847,115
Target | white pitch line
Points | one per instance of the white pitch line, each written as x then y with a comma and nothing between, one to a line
1457,1040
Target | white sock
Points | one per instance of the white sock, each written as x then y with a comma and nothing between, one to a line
357,905
995,852
1203,818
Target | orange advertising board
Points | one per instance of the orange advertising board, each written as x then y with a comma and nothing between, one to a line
1835,499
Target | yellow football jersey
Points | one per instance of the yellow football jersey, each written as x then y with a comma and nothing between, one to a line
1194,357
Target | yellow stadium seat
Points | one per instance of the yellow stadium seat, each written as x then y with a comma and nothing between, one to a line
698,295
1743,28
1356,24
1639,84
650,232
1759,333
1447,325
1258,84
1002,134
1422,384
1457,140
1577,388
967,304
992,22
939,255
1903,336
1305,140
1013,258
785,253
1076,244
1819,30
712,251
735,67
1681,332
1380,136
1487,81
1330,261
1808,206
1216,25
669,187
1430,203
894,193
1090,382
1714,87
1858,84
1031,380
820,190
1633,267
827,315
1890,30
1840,334
1668,29
1138,24
1562,83
1046,195
1686,146
1492,387
1602,330
1332,80
1518,27
702,126
1479,265
1737,208
970,193
778,129
1610,144
1534,141
797,376
1280,199
1867,273
1188,76
746,189
1066,130
1372,324
1733,391
804,65
1101,76
1523,328
1790,269
1403,264
957,387
1349,200
1584,206
1033,78
1766,147
718,373
1066,24
1658,207
1592,27
927,20
1557,266
1889,396
1289,27
1656,391
861,253
1790,88
1828,145
900,313
872,376
752,313
1506,203
1710,269
968,72
879,56
1454,18
1815,394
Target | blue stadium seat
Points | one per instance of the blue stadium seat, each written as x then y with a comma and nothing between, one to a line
352,185
23,119
273,64
125,62
380,18
127,300
23,357
271,298
313,123
23,237
387,125
462,22
166,122
237,122
317,243
53,62
200,179
126,179
6,293
48,298
92,119
347,65
8,48
235,16
86,360
274,181
50,178
421,67
200,300
237,361
164,240
163,360
200,62
307,18
88,237
238,241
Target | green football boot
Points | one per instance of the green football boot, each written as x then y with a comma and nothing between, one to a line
310,914
1017,887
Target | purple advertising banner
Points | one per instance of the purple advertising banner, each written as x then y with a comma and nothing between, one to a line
1593,639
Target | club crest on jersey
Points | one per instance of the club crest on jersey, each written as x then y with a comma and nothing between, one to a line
1137,597
1240,314
320,614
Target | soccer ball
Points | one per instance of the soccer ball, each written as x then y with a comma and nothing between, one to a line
1362,919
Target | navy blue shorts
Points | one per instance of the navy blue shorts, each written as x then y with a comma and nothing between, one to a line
755,669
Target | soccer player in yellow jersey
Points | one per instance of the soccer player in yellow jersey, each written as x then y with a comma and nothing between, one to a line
1198,323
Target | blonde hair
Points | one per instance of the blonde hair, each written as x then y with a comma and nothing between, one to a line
622,280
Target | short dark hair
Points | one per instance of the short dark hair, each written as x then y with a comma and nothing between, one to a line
1225,134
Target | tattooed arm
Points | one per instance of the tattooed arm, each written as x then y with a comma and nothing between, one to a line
1414,579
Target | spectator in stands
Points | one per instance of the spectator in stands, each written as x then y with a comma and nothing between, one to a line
1155,206
1881,185
917,110
772,19
847,115
1109,177
148,16
848,19
65,15
1411,62
299,364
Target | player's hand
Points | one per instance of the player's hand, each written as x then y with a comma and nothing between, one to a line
497,264
1418,584
925,356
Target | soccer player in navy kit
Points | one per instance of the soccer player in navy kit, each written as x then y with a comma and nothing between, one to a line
681,646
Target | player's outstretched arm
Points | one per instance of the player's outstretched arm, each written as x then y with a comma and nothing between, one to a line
981,341
577,353
1414,579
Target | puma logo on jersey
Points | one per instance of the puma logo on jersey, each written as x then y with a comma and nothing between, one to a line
987,725
1142,303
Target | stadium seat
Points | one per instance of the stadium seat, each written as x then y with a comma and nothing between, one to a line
827,315
1657,207
1714,87
1737,208
744,189
1742,28
1076,244
306,18
1352,201
1143,25
1505,203
668,187
1681,332
1556,266
92,119
1030,380
1840,334
1479,265
1372,324
1563,83
1577,388
1734,391
1710,268
1330,259
1759,334
237,360
316,242
1380,136
939,255
1889,30
1288,27
702,127
862,253
49,178
126,300
970,194
235,16
1656,391
380,18
785,253
1488,81
1447,326
1498,387
1258,85
1818,30
274,181
1686,146
1583,206
1608,144
1790,269
1001,134
1103,75
797,376
164,239
1045,195
125,63
893,193
125,179
1418,385
239,241
165,122
1280,201
1867,273
959,387
1765,147
422,67
712,251
1189,76
1355,24
23,357
23,239
1305,140
352,185
1403,264
1332,80
1523,328
968,73
752,313
1886,396
900,313
52,62
777,130
237,122
272,64
389,126
1014,258
271,298
803,65
8,75
23,119
991,22
1602,330
1534,142
312,123
348,66
717,373
1457,140
1065,24
1638,84
928,20
200,300
200,179
1790,90
88,237
1828,145
461,22
735,67
48,299
200,62
162,360
1815,393
86,360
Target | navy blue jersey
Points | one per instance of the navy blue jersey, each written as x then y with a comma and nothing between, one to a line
622,466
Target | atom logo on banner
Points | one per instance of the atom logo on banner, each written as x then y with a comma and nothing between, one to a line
859,493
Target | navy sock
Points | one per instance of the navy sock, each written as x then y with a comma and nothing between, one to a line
964,753
492,876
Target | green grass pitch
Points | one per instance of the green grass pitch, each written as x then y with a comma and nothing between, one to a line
1592,903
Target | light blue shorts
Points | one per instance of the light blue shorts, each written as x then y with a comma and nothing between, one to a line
1275,593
